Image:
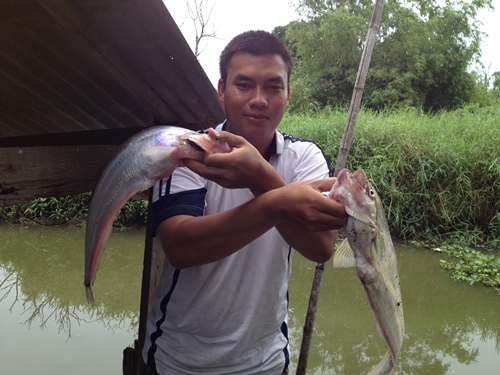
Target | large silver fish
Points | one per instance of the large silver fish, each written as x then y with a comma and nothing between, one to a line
369,248
145,158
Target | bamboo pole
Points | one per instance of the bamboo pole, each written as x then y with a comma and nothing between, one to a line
344,149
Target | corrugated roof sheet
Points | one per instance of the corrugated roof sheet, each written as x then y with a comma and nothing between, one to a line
80,65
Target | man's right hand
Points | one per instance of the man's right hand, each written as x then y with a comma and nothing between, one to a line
242,167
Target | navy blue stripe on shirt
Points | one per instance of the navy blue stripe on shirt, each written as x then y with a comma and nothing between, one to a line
191,202
284,326
286,353
156,334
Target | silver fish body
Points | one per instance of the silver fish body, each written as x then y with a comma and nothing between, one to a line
369,240
145,158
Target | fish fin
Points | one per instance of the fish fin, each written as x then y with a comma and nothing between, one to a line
90,295
344,256
385,366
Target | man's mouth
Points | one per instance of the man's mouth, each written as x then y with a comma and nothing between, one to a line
256,117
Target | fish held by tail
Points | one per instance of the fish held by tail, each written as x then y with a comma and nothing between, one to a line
144,159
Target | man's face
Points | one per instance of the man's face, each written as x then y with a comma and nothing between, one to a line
255,96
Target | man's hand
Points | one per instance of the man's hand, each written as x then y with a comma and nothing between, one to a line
304,205
242,167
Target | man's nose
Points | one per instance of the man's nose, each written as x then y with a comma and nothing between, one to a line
258,98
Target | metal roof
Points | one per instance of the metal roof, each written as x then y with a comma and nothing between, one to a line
68,67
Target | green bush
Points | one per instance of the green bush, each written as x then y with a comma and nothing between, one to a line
71,210
438,175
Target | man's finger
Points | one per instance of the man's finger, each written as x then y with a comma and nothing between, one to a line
223,136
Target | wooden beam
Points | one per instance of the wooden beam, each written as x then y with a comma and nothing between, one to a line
34,172
84,138
80,138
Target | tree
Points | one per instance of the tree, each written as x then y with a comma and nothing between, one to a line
421,59
200,12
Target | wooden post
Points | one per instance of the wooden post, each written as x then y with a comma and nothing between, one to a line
345,146
153,264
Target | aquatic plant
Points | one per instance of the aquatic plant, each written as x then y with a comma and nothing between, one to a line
472,266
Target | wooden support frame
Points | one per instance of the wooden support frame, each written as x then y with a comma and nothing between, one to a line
154,257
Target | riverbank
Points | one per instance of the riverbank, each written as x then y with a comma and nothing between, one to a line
437,175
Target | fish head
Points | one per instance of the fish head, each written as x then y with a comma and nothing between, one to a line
359,200
356,195
194,146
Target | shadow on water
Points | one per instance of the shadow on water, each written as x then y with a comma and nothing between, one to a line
451,328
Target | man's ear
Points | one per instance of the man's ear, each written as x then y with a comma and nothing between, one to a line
221,88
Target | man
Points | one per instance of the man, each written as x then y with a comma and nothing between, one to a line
228,226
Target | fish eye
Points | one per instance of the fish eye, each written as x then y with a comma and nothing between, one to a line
372,192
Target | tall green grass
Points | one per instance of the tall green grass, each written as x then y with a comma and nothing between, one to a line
438,175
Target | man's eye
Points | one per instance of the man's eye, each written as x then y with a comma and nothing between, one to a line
243,85
275,88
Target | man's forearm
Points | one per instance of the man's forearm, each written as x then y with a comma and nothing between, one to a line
315,246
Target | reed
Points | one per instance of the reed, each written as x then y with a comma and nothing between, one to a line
438,175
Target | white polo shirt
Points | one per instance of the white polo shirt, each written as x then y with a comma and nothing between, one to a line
226,317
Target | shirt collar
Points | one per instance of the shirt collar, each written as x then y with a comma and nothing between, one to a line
276,146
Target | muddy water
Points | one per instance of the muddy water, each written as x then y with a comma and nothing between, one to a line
48,328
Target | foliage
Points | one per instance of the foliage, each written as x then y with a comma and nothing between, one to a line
421,59
70,210
472,266
438,175
48,211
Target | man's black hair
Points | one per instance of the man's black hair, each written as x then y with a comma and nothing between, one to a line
254,42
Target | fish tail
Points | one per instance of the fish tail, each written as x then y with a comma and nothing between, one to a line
90,295
385,366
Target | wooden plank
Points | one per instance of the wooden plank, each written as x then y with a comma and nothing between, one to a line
81,138
34,172
154,256
131,361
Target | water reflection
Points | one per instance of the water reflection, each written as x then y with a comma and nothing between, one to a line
451,328
42,293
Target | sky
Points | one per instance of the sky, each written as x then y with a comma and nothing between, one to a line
232,17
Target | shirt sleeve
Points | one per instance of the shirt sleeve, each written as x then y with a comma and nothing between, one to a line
182,194
312,163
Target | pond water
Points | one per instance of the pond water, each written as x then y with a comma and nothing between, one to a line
47,326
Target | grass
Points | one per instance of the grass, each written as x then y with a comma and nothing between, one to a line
438,176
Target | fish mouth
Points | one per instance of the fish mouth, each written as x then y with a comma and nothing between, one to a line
195,145
205,143
360,177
